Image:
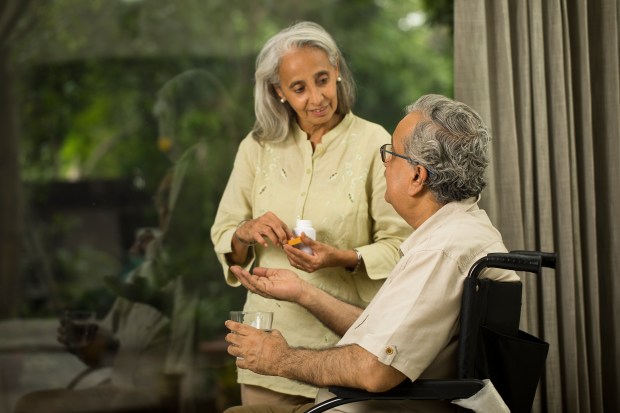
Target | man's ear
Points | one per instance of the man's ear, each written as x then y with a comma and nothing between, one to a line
417,179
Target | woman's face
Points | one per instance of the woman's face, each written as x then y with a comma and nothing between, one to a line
308,82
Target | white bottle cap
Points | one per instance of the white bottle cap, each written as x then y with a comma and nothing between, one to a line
304,223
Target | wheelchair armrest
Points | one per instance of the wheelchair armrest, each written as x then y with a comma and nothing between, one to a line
548,259
448,389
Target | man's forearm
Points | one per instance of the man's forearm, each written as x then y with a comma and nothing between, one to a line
349,366
269,354
337,315
321,367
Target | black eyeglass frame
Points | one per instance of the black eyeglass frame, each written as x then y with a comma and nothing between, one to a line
383,150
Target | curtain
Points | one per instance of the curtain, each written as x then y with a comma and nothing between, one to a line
544,74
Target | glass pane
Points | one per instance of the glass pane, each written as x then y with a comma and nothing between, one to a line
123,118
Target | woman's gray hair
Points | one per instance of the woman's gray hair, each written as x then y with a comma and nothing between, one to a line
451,142
273,118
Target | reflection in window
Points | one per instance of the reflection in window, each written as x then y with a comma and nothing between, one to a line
118,103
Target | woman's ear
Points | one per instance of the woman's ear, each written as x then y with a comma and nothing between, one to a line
278,92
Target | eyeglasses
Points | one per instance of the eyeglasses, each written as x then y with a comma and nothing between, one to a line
386,156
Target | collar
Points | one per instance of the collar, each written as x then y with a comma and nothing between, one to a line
345,123
438,219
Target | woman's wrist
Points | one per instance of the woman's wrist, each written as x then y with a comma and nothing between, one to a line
358,262
240,248
241,240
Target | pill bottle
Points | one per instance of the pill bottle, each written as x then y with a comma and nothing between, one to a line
305,226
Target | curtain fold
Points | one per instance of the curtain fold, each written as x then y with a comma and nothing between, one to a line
544,74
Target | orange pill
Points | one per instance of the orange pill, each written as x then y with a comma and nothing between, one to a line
294,241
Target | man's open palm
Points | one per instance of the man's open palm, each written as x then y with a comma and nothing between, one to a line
271,282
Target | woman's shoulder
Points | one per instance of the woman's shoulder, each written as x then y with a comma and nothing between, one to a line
250,143
372,130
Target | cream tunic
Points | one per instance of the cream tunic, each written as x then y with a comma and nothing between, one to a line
340,186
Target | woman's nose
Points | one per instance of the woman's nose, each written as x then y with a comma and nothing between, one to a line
315,96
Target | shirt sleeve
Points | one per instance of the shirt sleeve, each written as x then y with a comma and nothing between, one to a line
418,304
236,206
388,232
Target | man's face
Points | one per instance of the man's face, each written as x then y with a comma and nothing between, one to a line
398,171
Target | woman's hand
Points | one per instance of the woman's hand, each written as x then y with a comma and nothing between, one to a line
323,255
267,226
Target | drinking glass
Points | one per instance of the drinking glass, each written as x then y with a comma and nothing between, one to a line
257,319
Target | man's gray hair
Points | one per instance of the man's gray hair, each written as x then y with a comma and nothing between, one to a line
273,118
451,141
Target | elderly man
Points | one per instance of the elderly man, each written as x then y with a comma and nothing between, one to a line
434,170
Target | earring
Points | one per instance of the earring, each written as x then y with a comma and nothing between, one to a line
282,100
339,79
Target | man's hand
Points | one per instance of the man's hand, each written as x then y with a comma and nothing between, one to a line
94,352
256,350
285,285
271,283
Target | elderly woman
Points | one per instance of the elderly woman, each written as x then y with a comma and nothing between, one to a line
307,157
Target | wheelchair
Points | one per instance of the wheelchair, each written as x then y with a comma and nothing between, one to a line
491,346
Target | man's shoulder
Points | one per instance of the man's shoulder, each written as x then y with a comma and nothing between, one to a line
456,226
463,237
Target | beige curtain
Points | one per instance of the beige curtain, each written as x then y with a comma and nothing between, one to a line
545,75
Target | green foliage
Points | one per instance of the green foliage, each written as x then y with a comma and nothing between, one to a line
94,119
77,271
396,58
440,13
93,87
89,74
